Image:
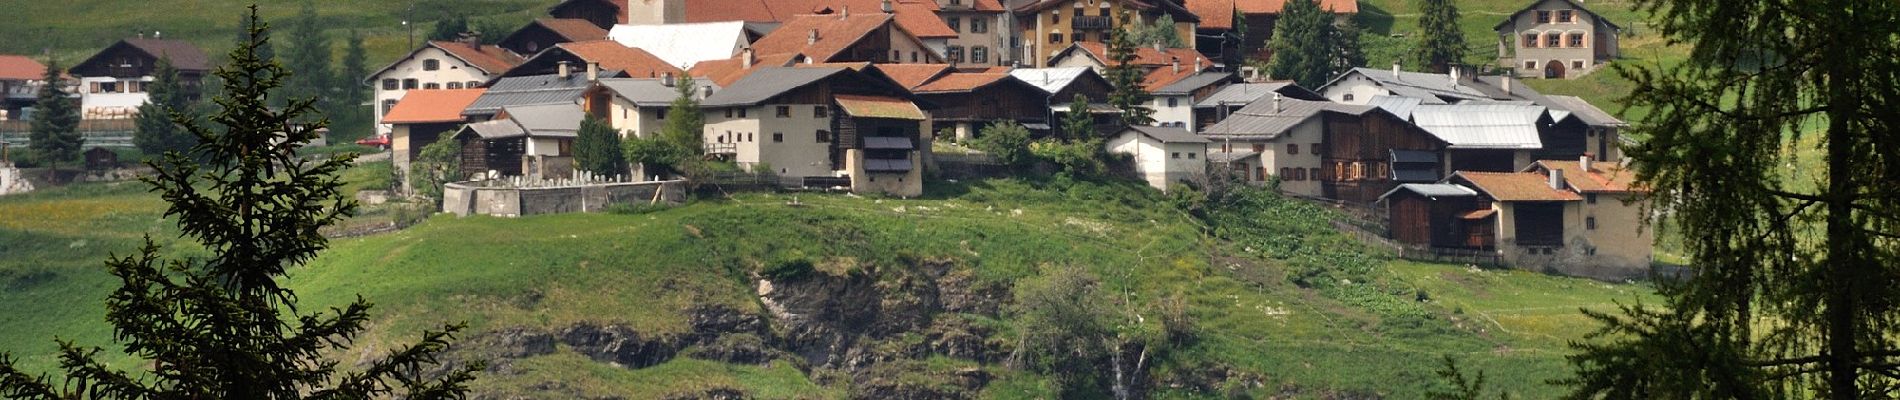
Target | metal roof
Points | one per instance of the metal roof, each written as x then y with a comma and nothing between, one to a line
1493,126
1267,119
1413,156
1167,134
1231,156
1049,79
683,45
1413,175
1432,190
765,83
887,165
1397,105
1584,111
551,120
1429,87
497,129
1241,94
528,90
1194,82
650,92
887,143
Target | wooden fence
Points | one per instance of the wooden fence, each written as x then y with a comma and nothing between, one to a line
96,132
1488,258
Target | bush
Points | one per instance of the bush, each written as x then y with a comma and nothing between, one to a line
788,266
1081,158
1007,142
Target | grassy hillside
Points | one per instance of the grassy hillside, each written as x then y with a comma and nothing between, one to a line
1283,307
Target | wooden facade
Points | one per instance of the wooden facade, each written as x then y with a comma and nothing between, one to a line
1357,162
421,135
1484,160
1008,99
1539,223
601,13
532,39
1565,140
1446,222
501,155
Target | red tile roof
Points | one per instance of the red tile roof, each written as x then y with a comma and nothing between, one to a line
923,22
988,6
726,72
912,75
490,58
879,107
1215,14
612,55
959,82
1604,177
431,106
1164,76
21,68
1516,186
1254,7
835,34
1147,55
577,30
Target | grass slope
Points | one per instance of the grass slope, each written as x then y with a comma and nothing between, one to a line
643,270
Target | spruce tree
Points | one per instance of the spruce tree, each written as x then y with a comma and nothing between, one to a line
597,148
157,134
680,142
1772,151
1078,124
1162,32
450,28
351,113
1127,77
1303,48
222,326
1440,43
55,135
309,60
1348,52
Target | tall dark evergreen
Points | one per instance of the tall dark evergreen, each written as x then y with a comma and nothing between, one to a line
309,60
1348,52
1078,124
1440,43
1303,44
1126,76
352,112
221,325
680,141
55,135
1773,148
450,28
597,148
157,134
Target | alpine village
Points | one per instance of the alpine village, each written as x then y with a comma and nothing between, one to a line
950,199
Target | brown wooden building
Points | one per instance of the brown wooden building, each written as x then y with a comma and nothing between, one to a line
544,33
1367,154
602,13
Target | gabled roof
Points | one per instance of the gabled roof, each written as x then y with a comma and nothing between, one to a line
863,106
490,59
1603,177
569,29
1243,94
683,45
923,21
1267,120
1432,190
1180,14
1189,82
1233,156
1483,126
1146,56
1215,14
912,75
183,55
1053,80
961,82
528,90
649,92
1584,111
835,33
1533,6
612,55
432,106
1399,106
766,83
621,16
555,120
1255,7
1166,134
21,68
1432,88
1514,186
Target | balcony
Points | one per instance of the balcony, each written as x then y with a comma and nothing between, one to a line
1092,22
722,149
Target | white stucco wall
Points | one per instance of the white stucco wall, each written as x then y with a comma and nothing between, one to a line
121,103
1276,157
1358,86
1155,161
452,70
1182,111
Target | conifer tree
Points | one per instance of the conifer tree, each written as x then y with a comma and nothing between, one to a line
1440,43
1791,237
1162,32
1303,44
55,135
222,326
156,133
351,114
450,28
679,142
1348,52
597,148
1078,124
1126,76
309,60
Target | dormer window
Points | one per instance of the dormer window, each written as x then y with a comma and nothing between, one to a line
1543,17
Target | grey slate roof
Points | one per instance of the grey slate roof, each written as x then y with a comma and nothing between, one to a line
650,92
1583,110
548,120
765,83
497,129
1482,126
1049,79
528,90
1265,120
1432,190
1195,82
1399,106
1167,134
1243,94
1431,88
1213,156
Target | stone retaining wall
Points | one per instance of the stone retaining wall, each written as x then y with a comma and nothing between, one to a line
470,198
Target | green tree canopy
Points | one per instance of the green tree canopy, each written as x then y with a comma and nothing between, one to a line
1305,45
309,61
55,135
1440,43
680,141
1772,150
450,28
1079,123
222,326
597,148
1006,141
1126,76
156,133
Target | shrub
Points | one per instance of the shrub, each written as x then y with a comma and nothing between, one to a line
1007,141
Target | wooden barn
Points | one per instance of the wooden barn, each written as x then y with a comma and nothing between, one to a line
1368,154
1439,216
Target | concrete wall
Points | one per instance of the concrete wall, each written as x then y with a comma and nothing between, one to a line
452,70
469,198
1155,161
12,181
1182,111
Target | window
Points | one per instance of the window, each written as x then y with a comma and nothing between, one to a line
1286,173
431,64
980,55
784,111
1578,64
1315,172
432,86
135,87
979,25
391,84
1530,65
1576,39
955,53
474,84
1292,149
1590,223
410,84
1348,97
1079,37
1190,155
1543,17
455,85
913,56
824,136
1313,149
728,113
1553,39
752,137
663,111
1260,148
1174,102
1078,11
1530,40
1055,16
1055,38
897,56
956,24
741,112
1566,16
388,105
722,138
778,137
1176,155
821,112
1590,198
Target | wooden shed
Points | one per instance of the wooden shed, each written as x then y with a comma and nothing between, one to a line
99,159
1439,216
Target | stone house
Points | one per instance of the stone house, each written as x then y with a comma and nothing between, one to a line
1556,39
1049,26
983,33
438,65
1163,155
1554,216
822,126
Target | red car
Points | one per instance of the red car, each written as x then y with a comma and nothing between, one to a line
379,142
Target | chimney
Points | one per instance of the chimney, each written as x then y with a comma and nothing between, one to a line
1157,46
1197,64
1583,163
666,79
747,56
1556,179
812,37
561,69
845,12
1176,63
1278,107
1507,84
1454,74
593,71
473,39
886,6
1395,69
141,35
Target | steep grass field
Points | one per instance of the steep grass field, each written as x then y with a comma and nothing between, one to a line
1379,333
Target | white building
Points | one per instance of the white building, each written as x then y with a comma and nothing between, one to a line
1163,156
112,82
438,65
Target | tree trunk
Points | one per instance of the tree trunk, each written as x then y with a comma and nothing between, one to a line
1844,269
